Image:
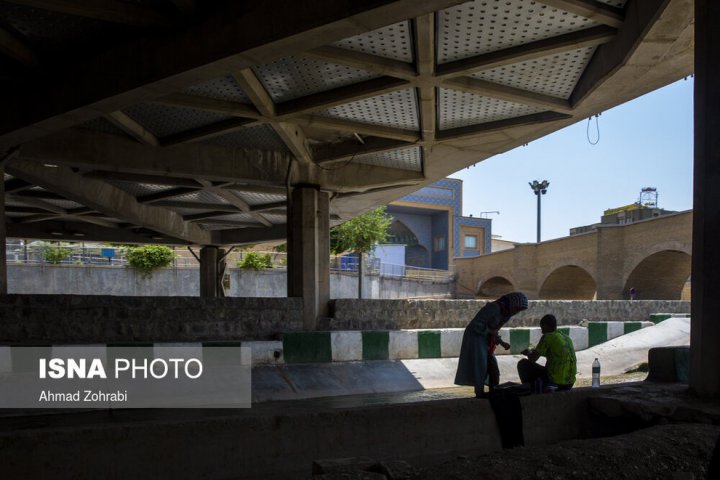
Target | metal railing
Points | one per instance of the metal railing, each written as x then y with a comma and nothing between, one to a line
80,255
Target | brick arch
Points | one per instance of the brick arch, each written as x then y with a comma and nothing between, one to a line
494,287
633,260
662,275
568,282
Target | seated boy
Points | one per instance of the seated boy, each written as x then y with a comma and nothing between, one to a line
558,349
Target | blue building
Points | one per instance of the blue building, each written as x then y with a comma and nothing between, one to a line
430,224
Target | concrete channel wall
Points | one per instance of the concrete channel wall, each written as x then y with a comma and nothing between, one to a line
409,314
29,319
56,319
109,280
272,444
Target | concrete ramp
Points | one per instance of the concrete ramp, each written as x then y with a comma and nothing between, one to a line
623,353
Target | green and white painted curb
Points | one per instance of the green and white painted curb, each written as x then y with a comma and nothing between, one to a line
347,346
601,332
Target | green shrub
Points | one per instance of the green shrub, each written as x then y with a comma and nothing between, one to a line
255,261
55,253
148,258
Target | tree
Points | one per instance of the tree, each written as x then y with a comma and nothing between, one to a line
359,235
255,261
148,258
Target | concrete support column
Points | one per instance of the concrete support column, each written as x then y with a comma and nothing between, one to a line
705,324
3,239
309,252
212,270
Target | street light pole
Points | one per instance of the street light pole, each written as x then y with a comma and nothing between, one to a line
540,189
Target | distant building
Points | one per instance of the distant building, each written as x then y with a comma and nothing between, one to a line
624,215
498,244
429,222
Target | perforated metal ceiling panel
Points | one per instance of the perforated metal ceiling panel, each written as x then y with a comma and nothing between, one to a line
200,197
261,137
221,226
275,219
139,189
65,204
459,109
406,159
484,26
394,109
393,41
103,126
163,120
294,77
50,33
554,75
224,88
236,217
14,202
252,198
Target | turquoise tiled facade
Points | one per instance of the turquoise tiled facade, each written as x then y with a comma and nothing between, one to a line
427,223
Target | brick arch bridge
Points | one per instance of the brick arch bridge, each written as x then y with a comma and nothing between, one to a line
653,256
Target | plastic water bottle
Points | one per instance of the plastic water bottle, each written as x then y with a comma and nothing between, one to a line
596,374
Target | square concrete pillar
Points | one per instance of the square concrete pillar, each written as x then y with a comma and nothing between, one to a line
212,270
309,252
3,235
705,323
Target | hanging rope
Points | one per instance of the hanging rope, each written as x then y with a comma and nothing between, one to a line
597,130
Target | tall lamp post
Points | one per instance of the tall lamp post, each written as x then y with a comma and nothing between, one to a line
540,189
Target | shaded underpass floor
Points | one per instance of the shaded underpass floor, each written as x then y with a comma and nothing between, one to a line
678,435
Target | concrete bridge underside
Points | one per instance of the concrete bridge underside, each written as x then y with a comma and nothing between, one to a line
653,256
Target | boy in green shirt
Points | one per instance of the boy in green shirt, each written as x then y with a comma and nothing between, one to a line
558,349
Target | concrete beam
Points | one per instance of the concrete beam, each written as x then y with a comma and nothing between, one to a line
358,177
113,11
132,128
232,37
538,49
363,61
640,16
341,95
498,125
223,127
139,178
17,49
510,94
425,47
97,151
599,12
313,121
73,231
352,148
107,199
240,236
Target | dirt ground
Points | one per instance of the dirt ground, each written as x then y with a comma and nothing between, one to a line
672,451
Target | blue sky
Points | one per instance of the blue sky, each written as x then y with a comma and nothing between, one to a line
647,142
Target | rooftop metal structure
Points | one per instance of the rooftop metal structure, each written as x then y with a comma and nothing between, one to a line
184,122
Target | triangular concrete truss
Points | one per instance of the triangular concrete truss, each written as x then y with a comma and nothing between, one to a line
188,122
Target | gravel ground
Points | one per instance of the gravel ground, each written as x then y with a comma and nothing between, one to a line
673,451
